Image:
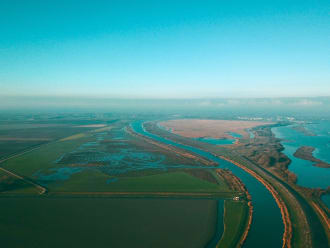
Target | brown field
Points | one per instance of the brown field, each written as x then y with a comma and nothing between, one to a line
195,128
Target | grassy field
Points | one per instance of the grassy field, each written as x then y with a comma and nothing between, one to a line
68,220
91,181
15,138
10,184
106,222
42,158
10,147
234,221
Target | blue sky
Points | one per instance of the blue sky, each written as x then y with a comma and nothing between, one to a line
165,49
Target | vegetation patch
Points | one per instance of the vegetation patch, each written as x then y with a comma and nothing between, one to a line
42,158
13,185
235,220
106,222
91,181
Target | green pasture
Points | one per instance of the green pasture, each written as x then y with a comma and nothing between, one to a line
42,158
40,222
93,181
235,221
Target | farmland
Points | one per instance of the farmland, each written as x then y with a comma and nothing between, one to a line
106,222
108,167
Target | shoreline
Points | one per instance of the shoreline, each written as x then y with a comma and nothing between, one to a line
237,185
322,214
170,148
306,153
287,235
249,221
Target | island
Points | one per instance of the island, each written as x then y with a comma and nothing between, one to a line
306,153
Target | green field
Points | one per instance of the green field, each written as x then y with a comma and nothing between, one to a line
42,158
93,179
106,222
235,218
11,184
73,214
15,138
10,147
90,181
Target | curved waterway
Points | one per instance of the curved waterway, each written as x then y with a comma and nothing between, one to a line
267,227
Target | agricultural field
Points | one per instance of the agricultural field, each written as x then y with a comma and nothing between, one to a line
116,176
106,222
234,222
110,159
15,138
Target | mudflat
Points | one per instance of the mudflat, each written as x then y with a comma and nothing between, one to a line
218,129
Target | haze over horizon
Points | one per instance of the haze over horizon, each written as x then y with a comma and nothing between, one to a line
272,106
165,49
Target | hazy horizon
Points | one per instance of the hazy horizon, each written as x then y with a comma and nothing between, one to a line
269,106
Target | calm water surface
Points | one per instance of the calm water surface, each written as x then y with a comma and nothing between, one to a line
308,175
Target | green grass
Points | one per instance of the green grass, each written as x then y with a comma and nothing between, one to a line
42,158
15,138
10,147
94,181
221,182
91,181
235,218
105,222
13,185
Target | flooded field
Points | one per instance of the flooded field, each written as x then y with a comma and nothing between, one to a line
109,152
114,159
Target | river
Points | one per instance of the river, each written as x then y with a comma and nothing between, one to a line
267,227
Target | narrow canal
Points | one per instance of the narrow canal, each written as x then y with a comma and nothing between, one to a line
267,227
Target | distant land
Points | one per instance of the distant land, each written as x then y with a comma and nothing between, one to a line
199,107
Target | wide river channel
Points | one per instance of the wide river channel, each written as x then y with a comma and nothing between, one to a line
267,227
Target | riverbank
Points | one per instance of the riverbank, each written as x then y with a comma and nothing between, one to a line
238,237
287,235
307,230
258,235
171,149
